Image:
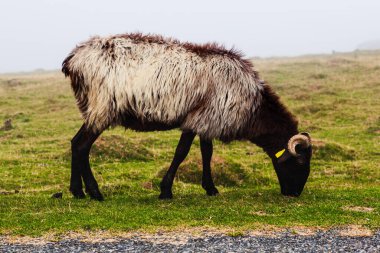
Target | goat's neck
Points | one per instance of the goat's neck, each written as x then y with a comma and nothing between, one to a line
274,124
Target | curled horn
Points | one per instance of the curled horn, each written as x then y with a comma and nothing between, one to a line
302,139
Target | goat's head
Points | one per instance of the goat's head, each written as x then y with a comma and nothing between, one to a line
292,164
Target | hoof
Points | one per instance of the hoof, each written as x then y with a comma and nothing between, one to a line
78,193
98,196
212,192
166,195
95,194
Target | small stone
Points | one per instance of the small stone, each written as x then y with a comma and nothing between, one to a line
57,195
7,125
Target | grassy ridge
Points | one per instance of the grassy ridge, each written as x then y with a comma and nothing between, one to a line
335,98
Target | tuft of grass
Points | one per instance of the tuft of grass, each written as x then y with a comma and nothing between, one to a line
318,76
118,148
235,233
334,97
225,173
332,152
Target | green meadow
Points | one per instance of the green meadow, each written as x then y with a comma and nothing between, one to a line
335,97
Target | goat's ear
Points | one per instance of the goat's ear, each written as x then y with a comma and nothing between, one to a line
285,156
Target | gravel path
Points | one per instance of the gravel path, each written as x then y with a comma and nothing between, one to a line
328,241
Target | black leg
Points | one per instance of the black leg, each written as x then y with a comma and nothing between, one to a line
207,182
181,152
76,176
80,165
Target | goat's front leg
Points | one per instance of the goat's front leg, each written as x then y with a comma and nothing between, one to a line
80,165
207,182
181,152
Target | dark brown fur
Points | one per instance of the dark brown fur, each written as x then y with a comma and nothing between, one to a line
274,125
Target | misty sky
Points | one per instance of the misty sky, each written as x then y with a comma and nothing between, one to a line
40,33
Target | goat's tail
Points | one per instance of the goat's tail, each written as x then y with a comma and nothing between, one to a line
78,86
66,65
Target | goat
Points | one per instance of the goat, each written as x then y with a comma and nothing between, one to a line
150,83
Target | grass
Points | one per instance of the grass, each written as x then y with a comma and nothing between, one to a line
336,98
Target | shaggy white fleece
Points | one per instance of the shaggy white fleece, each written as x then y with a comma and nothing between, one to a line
215,93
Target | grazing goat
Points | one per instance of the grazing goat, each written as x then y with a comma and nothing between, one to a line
149,83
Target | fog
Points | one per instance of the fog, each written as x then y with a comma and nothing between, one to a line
39,34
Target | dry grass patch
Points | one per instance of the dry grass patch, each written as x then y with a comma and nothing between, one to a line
260,213
361,209
355,230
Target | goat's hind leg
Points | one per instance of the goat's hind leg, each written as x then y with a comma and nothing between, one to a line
80,165
181,152
207,182
76,175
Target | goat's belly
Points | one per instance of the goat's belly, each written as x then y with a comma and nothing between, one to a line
146,126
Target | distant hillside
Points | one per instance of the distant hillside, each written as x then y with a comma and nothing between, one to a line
370,45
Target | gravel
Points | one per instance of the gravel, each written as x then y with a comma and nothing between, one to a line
327,241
